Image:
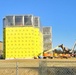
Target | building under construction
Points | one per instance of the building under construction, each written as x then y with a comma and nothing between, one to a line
23,37
47,38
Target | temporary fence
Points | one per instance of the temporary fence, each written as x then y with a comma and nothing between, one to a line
43,67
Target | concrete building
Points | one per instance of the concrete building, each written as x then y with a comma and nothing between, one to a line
22,36
47,38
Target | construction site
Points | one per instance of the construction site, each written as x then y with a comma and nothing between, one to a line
27,49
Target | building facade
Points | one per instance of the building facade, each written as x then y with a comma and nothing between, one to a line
22,36
47,38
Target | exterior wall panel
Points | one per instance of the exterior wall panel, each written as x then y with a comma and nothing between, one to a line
22,42
47,38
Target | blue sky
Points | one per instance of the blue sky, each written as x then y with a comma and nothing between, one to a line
60,14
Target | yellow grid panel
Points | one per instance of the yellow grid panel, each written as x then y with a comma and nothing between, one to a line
22,42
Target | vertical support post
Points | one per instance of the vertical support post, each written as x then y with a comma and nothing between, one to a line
14,20
32,20
43,68
16,68
23,20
